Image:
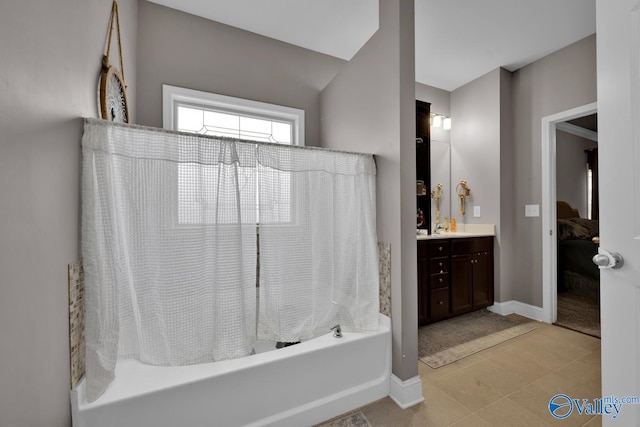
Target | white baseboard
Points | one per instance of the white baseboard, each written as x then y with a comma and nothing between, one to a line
517,307
406,393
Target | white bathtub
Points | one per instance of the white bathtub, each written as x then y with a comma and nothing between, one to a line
300,385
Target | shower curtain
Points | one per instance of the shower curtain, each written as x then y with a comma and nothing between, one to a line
318,250
169,231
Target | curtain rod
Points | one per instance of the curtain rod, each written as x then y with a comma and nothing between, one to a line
102,122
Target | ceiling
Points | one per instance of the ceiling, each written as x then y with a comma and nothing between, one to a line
457,41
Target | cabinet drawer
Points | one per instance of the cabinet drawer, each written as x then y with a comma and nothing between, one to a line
467,246
439,265
439,248
439,304
438,280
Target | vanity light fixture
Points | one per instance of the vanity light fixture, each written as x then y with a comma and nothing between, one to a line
436,121
440,121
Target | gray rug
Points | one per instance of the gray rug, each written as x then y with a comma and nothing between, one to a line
356,419
450,340
579,313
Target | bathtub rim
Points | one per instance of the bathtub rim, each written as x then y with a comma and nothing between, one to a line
119,391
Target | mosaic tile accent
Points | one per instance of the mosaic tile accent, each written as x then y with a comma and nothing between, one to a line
384,266
76,322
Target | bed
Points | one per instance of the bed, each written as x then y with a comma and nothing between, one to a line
576,248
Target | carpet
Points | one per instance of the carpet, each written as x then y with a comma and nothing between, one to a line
445,342
579,313
356,419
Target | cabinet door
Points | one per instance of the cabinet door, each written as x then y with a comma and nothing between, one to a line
461,282
423,291
482,263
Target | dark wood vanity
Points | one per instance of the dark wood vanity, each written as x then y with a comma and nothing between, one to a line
455,276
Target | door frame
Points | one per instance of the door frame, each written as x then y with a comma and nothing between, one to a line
548,209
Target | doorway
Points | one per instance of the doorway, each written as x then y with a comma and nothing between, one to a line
578,231
549,206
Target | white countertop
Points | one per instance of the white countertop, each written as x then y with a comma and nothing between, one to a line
466,230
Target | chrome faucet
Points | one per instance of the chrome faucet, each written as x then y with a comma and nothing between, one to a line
337,332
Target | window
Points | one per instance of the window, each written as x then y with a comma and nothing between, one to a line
188,110
211,114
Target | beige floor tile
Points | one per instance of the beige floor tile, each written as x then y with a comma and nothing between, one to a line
536,400
585,373
529,370
438,408
386,413
557,344
471,421
549,356
429,372
521,362
507,413
507,345
594,422
467,390
492,374
586,341
594,357
424,369
555,383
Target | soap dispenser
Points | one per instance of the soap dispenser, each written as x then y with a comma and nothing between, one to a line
454,226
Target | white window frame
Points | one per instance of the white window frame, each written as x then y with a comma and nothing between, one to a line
174,96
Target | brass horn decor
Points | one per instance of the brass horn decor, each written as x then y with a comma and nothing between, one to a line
463,191
436,194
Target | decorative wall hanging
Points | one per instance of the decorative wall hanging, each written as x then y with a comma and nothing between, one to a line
463,191
113,90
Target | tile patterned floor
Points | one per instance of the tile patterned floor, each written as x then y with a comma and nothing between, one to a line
507,385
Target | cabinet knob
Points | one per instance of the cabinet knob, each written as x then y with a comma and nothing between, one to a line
440,264
440,280
440,248
440,302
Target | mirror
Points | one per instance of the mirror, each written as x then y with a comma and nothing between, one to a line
440,162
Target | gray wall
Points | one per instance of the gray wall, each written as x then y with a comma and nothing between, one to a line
558,82
571,170
475,155
370,107
184,50
475,148
504,260
440,99
51,56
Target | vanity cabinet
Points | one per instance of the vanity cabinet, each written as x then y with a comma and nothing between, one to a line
455,276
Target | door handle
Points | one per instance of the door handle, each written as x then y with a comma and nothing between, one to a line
605,259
